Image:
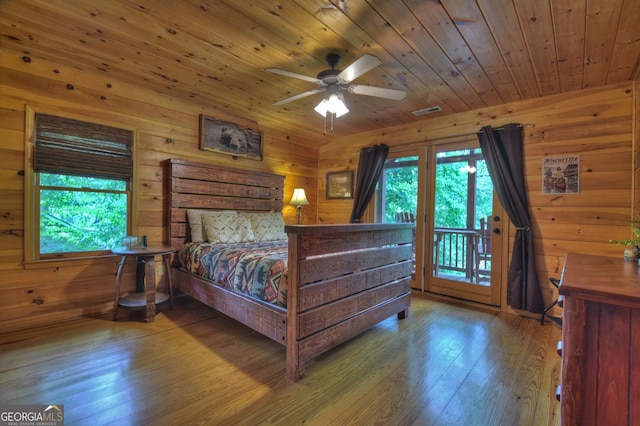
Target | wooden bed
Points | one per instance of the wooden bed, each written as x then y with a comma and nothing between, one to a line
342,279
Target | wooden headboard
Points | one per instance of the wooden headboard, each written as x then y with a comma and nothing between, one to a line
192,185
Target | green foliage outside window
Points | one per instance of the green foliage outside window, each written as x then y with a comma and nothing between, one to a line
452,192
79,214
401,189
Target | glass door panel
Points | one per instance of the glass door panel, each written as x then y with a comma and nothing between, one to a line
397,195
463,255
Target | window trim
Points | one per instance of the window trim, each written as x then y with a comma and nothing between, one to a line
32,257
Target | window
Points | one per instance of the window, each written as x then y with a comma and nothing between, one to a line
463,191
81,195
397,191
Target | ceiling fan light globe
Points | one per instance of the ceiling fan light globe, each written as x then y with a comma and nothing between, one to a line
322,108
332,104
336,105
341,110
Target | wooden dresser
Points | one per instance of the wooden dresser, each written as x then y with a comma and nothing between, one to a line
600,341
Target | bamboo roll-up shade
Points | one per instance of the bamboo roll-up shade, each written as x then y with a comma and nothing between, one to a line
68,146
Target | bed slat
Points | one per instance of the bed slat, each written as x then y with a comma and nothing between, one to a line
328,315
323,239
209,173
201,201
320,268
190,186
322,292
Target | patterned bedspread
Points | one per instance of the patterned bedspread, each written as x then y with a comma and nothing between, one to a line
257,269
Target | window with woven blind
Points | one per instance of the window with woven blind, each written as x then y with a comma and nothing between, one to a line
82,173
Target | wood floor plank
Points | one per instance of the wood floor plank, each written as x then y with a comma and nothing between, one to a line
443,365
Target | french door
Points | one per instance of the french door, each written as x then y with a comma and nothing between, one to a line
446,191
466,225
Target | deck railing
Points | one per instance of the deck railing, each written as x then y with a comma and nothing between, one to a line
456,254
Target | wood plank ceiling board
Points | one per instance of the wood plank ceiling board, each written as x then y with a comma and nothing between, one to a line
441,28
303,29
211,55
505,26
624,63
537,26
415,36
390,40
380,113
214,72
395,71
113,51
603,17
473,28
569,26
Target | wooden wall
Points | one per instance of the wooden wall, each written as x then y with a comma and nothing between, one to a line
597,124
165,128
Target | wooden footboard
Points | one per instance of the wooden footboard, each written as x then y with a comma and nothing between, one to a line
343,279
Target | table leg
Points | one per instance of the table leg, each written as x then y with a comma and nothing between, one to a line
118,277
167,268
150,287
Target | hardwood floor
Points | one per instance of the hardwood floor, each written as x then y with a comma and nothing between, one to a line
444,365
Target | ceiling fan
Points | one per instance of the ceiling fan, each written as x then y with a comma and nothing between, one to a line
334,80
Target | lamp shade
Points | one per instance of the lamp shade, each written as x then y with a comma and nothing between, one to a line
299,198
333,103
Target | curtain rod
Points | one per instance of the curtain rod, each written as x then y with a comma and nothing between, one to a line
526,126
461,135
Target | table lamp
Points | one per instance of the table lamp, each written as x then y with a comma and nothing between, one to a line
299,199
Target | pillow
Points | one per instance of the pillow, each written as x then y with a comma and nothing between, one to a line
227,227
267,226
195,222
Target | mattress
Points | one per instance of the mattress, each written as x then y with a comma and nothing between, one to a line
257,269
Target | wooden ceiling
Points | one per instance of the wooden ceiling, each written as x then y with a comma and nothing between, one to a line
456,54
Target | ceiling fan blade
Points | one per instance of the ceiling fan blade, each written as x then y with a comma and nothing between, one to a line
292,74
379,92
300,96
363,64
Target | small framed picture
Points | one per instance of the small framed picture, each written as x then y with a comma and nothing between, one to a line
229,138
340,185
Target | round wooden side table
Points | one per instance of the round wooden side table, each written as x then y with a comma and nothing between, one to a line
149,298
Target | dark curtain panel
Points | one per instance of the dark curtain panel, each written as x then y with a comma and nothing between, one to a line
370,167
503,151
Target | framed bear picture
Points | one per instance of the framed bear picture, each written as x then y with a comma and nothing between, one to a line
229,138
